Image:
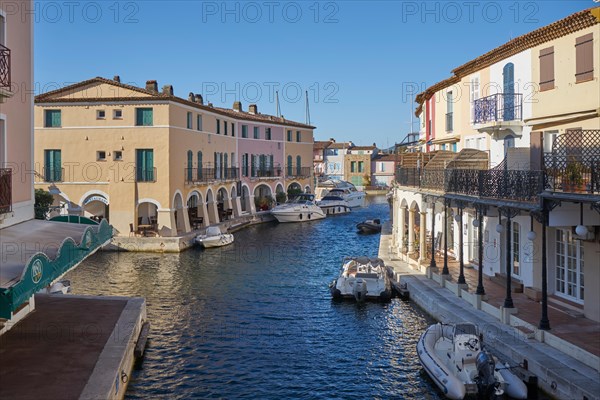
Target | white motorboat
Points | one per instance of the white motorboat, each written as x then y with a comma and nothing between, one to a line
214,238
454,357
333,205
60,287
300,208
361,279
343,189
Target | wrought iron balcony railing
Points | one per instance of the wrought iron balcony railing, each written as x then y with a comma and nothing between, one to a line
572,176
202,175
294,171
514,185
4,67
273,172
498,107
5,190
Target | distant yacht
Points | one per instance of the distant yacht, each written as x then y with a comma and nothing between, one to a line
343,189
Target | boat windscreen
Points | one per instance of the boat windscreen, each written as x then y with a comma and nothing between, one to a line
336,198
213,231
465,329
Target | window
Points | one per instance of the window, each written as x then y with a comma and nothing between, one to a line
547,68
381,167
289,136
516,249
225,126
189,120
52,119
218,126
117,155
199,166
232,129
199,122
361,166
569,266
244,131
290,167
101,155
144,117
52,166
100,114
584,58
449,111
298,166
353,166
253,162
189,171
549,138
144,165
256,133
268,133
298,136
361,152
245,164
117,114
474,96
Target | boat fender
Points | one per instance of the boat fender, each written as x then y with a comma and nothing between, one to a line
300,216
309,214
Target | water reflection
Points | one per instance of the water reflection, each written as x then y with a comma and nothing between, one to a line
256,320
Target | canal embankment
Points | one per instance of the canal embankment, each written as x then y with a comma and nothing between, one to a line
559,374
72,347
177,244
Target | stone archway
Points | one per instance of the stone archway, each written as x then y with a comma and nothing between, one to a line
182,222
293,189
224,206
196,210
263,197
246,200
211,206
96,207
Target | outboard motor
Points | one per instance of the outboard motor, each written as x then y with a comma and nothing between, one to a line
486,382
360,290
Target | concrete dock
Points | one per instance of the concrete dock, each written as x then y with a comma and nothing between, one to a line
72,347
559,374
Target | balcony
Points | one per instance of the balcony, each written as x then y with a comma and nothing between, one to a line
273,172
573,166
196,175
4,69
293,171
5,190
498,111
509,185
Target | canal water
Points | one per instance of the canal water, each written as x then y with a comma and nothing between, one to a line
256,320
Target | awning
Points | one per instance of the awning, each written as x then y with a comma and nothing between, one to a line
36,253
549,122
449,139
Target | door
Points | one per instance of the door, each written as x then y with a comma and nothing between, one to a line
515,243
508,102
569,266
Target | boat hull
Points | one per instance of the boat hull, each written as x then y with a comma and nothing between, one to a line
363,281
298,215
215,241
368,228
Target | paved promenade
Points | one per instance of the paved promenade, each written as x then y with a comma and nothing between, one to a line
559,374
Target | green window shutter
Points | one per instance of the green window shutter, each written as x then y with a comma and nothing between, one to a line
232,129
298,165
289,166
47,164
271,164
57,165
298,136
56,119
199,165
218,127
190,165
148,117
253,165
225,126
199,122
150,164
48,122
225,164
144,117
139,117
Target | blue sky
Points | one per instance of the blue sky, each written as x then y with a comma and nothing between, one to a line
359,60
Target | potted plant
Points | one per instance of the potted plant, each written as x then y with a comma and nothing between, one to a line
573,180
280,197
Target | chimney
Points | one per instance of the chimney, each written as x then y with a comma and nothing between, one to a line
117,78
253,109
168,90
332,140
191,97
210,104
152,86
237,106
198,99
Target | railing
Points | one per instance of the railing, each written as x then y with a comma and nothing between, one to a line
512,185
4,67
201,175
5,190
499,107
273,172
298,172
145,174
572,177
449,121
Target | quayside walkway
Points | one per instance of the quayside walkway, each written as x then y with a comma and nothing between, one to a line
569,374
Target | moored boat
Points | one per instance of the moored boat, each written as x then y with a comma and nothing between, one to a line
300,208
369,226
361,279
454,357
343,189
334,205
214,238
